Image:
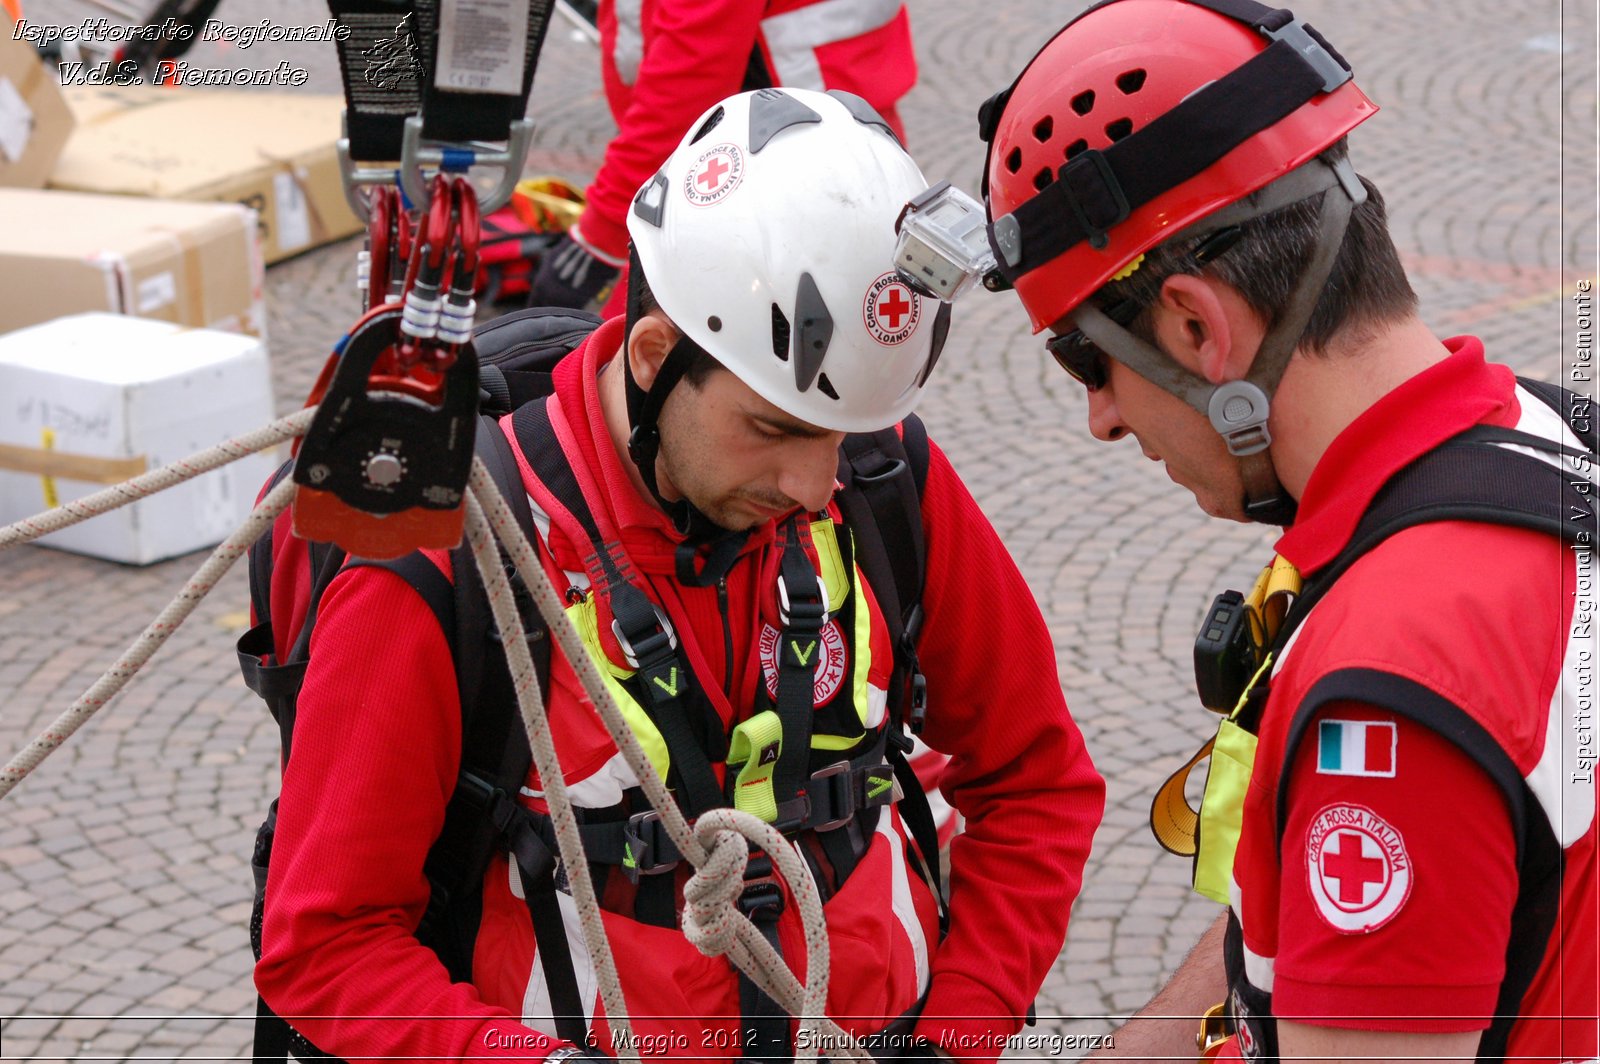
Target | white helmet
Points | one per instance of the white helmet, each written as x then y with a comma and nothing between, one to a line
768,238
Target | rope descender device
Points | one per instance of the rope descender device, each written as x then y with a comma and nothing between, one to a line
383,468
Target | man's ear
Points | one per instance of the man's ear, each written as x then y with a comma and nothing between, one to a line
1197,325
653,337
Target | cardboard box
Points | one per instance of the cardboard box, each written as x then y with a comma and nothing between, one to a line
194,264
35,120
272,152
93,399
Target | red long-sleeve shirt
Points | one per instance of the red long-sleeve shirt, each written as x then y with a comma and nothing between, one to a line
377,743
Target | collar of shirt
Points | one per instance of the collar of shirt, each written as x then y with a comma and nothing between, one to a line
647,533
1446,398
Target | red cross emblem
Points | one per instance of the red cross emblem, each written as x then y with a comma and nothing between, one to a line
1349,868
715,174
891,310
1356,867
712,174
895,307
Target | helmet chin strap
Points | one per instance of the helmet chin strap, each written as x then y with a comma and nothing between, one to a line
1239,410
644,444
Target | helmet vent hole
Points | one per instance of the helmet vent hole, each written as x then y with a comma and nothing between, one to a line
1042,179
1119,129
1083,103
1131,82
714,323
1043,129
708,125
780,334
826,387
1077,148
1014,160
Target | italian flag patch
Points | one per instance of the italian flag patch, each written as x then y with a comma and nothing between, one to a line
1356,747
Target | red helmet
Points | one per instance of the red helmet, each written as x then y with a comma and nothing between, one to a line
1142,117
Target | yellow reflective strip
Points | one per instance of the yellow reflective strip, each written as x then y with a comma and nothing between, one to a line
830,563
584,617
835,742
862,651
755,745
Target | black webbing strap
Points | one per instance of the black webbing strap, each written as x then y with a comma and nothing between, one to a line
1096,190
380,62
271,1037
461,112
663,683
799,645
389,63
764,1024
536,867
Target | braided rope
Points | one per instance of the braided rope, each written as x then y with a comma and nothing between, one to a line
129,491
149,641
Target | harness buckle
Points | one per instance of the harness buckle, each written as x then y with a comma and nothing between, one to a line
832,795
1316,54
918,714
818,608
645,844
664,636
762,896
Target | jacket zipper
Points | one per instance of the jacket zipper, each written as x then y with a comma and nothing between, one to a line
727,636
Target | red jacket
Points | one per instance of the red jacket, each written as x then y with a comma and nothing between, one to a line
665,62
1384,899
375,753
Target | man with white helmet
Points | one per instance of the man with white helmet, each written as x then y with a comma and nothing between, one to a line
685,480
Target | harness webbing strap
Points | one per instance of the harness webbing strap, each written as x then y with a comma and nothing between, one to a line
381,67
463,112
799,649
664,683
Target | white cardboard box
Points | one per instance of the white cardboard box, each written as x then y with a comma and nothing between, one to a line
113,388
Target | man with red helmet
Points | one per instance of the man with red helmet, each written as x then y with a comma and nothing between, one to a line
1169,192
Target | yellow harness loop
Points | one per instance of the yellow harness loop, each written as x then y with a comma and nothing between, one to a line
755,747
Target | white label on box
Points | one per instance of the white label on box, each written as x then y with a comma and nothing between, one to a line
294,216
16,121
482,44
156,292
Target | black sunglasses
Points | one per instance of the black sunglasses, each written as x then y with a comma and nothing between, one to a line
1082,360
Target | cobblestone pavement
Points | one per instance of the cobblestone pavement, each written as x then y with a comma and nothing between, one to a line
124,890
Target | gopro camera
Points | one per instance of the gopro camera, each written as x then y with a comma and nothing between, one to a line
943,245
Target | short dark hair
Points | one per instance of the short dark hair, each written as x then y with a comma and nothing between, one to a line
1367,286
701,364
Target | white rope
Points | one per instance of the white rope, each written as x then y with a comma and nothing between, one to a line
149,641
31,528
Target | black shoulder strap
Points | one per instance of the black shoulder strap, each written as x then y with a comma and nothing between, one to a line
884,474
1576,410
1469,478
